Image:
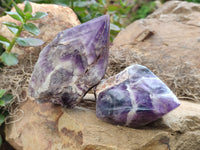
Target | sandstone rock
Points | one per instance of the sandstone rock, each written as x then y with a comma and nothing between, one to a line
165,36
48,126
59,18
134,97
184,12
74,62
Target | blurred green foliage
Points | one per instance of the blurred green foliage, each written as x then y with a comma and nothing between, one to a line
4,100
194,1
145,8
6,5
122,12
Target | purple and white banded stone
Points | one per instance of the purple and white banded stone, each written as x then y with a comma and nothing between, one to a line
74,62
134,98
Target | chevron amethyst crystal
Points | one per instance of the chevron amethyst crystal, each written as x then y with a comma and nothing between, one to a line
74,62
134,98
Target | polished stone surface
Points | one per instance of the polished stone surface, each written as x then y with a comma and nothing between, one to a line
134,97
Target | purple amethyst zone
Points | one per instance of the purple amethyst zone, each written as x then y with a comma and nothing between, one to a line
74,62
134,98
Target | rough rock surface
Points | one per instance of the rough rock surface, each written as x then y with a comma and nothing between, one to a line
171,34
74,62
48,126
183,12
59,18
134,97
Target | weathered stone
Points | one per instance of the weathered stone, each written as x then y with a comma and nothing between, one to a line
134,97
48,126
59,18
178,11
171,34
74,62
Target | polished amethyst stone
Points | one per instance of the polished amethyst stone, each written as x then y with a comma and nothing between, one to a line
134,98
74,62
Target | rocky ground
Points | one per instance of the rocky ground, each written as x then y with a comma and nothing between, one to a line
167,42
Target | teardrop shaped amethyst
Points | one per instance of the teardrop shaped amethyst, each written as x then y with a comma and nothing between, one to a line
74,62
134,98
